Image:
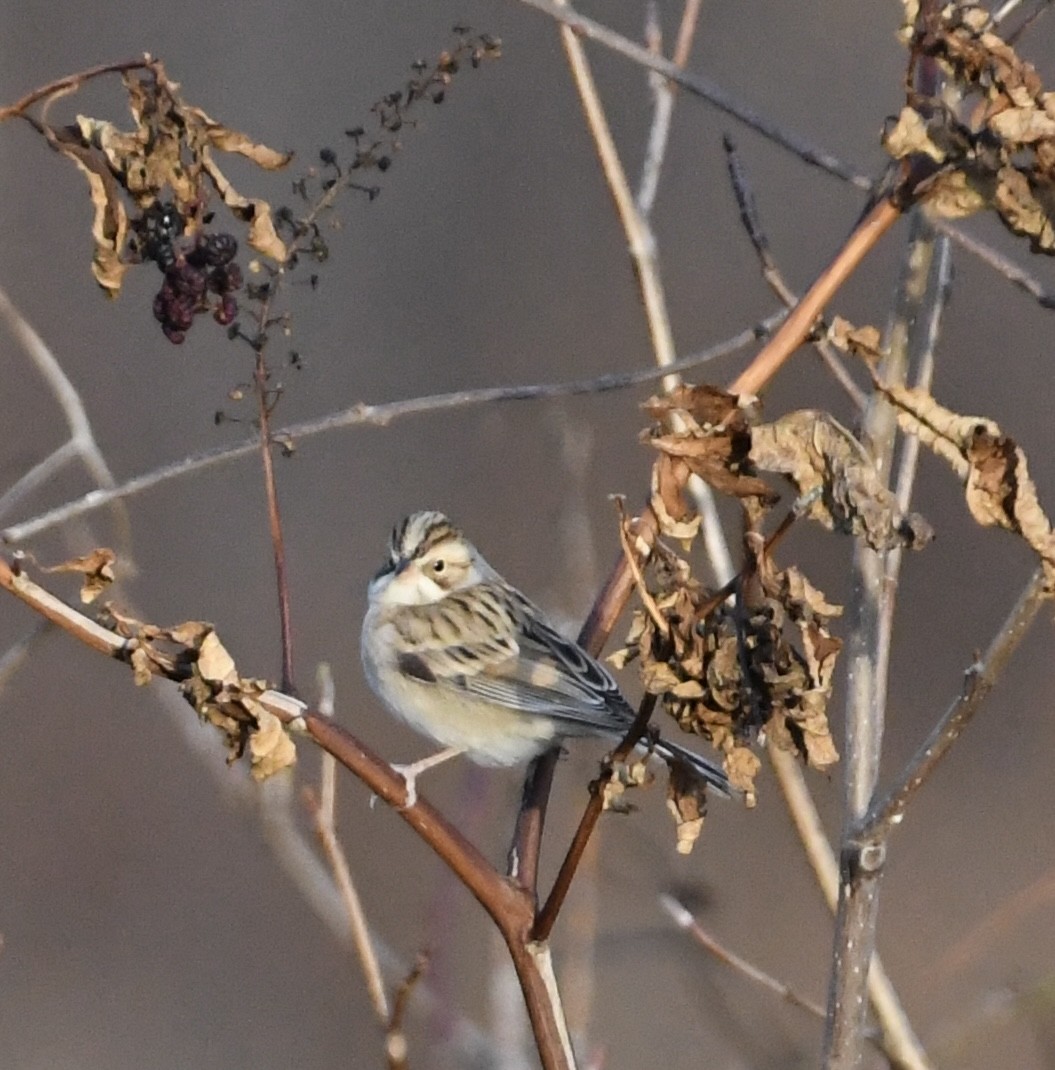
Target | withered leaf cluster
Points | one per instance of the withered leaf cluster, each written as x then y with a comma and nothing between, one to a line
992,135
998,488
169,155
730,670
758,657
837,480
192,654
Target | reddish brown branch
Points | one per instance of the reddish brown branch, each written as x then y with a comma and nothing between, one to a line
73,81
511,909
588,822
274,516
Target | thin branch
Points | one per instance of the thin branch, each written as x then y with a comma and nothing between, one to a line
323,809
12,659
81,442
547,916
897,1038
979,680
73,82
582,26
682,917
395,1035
811,154
325,828
772,274
664,95
381,415
509,907
1014,273
261,376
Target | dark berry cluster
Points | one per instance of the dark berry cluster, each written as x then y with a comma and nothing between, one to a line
200,275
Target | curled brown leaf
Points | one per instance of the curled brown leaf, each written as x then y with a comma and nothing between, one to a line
998,488
836,478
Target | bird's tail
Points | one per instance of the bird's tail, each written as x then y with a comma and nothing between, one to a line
711,773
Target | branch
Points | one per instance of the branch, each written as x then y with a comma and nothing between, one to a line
868,659
979,679
73,82
364,415
582,26
509,907
684,920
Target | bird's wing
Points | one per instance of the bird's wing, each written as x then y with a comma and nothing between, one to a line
501,650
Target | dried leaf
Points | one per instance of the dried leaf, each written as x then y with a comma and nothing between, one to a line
958,194
1021,211
711,441
676,519
687,803
909,135
1023,124
142,672
998,487
864,342
97,568
270,747
257,213
837,481
214,663
109,218
165,157
997,148
742,766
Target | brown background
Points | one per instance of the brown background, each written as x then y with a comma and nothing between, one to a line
145,919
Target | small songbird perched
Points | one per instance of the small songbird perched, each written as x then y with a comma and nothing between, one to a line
466,659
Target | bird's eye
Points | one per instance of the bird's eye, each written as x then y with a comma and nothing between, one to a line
438,566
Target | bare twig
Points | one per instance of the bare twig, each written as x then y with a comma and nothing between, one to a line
323,812
979,679
811,154
14,656
395,1035
868,654
664,93
72,82
897,1038
1014,273
584,27
364,415
684,920
771,273
547,916
261,381
81,442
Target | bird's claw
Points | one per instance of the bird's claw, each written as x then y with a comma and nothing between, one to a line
410,780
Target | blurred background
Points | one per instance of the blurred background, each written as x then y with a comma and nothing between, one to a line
149,912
